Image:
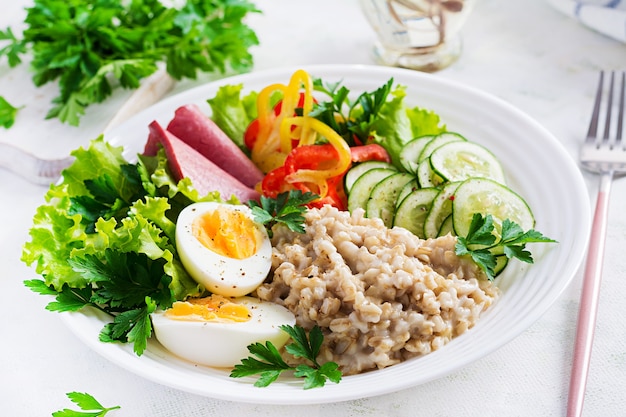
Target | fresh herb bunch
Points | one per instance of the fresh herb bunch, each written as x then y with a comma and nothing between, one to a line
86,402
287,208
481,243
83,44
267,362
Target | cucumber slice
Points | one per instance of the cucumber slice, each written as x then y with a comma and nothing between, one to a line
408,188
446,227
412,211
458,161
437,141
426,177
362,187
485,196
382,200
357,170
501,263
410,153
441,208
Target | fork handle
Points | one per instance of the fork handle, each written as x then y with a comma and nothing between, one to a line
588,308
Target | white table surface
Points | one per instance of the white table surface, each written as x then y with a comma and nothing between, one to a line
520,50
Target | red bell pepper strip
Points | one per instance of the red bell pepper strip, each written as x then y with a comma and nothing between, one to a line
310,157
335,197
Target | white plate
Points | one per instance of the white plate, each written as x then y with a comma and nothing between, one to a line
537,167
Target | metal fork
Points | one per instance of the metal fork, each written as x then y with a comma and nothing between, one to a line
46,171
605,155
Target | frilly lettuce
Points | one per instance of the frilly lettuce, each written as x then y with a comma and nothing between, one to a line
107,209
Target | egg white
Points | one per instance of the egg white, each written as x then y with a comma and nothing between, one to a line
220,274
223,343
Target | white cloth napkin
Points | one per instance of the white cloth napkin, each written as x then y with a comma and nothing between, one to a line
605,16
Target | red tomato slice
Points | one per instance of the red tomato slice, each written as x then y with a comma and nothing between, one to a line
251,134
274,182
371,152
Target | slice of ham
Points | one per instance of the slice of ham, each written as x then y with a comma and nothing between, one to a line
186,162
198,131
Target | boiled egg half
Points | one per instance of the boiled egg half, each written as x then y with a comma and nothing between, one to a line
223,248
216,331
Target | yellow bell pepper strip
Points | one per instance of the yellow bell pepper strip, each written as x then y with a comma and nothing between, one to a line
270,148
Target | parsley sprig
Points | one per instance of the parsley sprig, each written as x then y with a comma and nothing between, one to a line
287,209
358,123
86,402
128,286
86,44
481,243
267,362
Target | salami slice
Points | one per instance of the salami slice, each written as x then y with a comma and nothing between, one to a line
198,131
186,162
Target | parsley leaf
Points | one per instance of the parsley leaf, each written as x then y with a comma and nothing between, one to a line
267,362
287,209
87,403
481,243
7,113
90,47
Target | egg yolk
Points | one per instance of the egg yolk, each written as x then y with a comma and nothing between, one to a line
210,308
227,232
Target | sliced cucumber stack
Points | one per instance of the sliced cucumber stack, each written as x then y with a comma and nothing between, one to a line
360,191
442,182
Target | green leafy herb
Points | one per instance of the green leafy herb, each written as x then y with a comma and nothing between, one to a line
86,402
7,113
287,209
267,362
481,242
85,44
361,113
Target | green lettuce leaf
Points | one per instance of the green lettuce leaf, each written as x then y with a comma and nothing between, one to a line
232,113
392,129
424,122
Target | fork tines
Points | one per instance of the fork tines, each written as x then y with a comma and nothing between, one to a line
611,107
